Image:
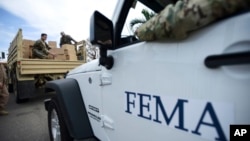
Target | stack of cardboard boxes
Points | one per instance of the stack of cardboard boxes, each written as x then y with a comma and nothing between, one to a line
70,52
27,48
59,54
66,52
54,49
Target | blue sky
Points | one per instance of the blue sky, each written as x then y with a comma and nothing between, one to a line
9,25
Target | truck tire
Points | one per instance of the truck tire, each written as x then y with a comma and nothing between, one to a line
10,88
16,91
58,130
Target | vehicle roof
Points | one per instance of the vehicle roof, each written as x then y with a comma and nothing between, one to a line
157,5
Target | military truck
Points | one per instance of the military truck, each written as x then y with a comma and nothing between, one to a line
28,75
193,89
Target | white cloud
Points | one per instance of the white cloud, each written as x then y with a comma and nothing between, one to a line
54,16
6,33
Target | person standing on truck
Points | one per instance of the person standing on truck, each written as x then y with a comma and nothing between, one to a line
66,39
41,48
4,94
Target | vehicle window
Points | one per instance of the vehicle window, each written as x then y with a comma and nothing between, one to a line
138,14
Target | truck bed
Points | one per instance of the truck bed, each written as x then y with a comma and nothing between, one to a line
46,66
25,67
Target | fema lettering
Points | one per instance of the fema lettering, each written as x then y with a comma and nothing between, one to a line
239,132
150,107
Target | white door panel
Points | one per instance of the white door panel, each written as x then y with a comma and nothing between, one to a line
89,84
150,79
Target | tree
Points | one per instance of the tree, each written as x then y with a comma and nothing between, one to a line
86,51
147,15
91,51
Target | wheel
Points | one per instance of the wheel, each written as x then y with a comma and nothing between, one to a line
16,91
58,130
10,88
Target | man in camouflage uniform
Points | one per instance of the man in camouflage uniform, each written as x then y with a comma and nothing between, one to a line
66,39
41,48
176,21
4,94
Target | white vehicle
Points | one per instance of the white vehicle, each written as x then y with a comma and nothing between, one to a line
189,90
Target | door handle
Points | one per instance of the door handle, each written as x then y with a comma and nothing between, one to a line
215,61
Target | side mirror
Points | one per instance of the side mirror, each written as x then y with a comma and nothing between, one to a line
101,34
101,31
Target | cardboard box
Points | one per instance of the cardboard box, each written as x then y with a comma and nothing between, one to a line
61,57
69,52
68,46
71,57
57,50
28,43
27,52
69,49
51,57
52,44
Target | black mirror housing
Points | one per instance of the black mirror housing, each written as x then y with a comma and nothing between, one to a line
101,31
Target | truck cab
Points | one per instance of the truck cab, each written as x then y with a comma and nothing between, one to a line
191,89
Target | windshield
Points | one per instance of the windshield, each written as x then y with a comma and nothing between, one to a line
138,14
132,18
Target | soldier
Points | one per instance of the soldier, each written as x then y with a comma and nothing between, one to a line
176,21
4,94
66,39
41,48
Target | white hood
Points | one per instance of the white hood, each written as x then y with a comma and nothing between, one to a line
88,67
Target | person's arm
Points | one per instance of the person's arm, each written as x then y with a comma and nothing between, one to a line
44,48
49,52
60,42
72,39
47,46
